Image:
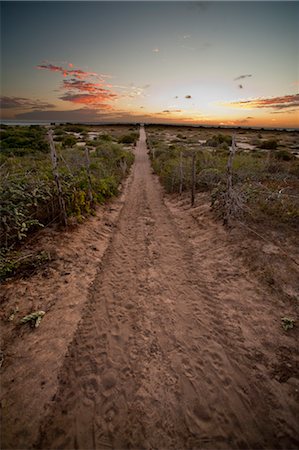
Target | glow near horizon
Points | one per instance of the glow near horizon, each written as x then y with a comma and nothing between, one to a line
178,49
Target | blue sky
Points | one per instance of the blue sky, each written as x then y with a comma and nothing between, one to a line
204,62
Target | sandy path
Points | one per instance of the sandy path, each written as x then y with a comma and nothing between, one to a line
159,359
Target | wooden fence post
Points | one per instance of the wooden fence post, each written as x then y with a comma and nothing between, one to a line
123,165
229,184
193,178
151,149
87,162
153,152
181,173
54,160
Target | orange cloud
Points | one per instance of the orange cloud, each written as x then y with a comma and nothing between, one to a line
90,93
78,73
286,101
82,85
168,111
95,100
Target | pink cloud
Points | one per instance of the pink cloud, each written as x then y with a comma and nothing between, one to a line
286,101
95,100
81,87
78,73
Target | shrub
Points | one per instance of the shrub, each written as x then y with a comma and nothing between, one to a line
68,141
74,128
283,155
105,138
28,192
129,138
209,178
270,144
21,140
218,139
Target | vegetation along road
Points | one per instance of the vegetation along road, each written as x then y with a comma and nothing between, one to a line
175,341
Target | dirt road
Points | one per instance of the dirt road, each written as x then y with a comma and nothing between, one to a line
167,354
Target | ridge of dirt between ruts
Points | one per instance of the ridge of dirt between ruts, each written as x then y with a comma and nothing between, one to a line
31,358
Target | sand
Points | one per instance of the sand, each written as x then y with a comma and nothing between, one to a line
165,340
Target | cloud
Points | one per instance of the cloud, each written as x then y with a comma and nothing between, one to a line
169,111
96,100
79,115
285,111
87,86
188,96
83,115
135,91
241,77
23,103
245,120
69,71
81,87
278,103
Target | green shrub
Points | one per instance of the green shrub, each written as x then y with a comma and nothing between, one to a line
18,264
74,128
129,138
283,155
219,139
68,141
270,144
105,138
264,187
28,193
21,140
207,179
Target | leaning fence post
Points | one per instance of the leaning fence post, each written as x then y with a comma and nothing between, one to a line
87,162
54,160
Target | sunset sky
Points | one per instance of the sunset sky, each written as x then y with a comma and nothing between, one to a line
230,63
